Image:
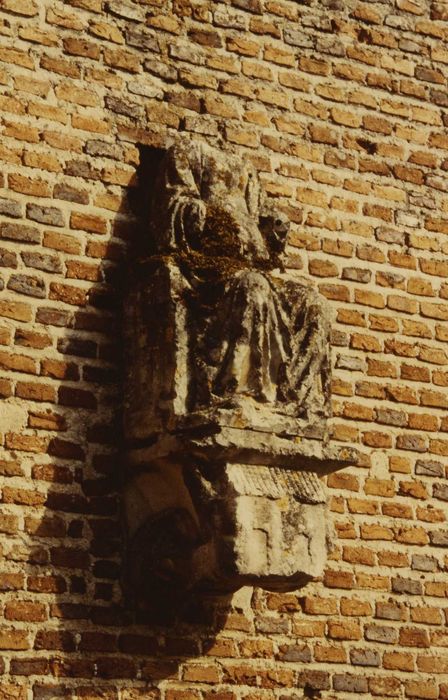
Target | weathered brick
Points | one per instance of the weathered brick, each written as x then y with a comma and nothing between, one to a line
27,284
314,680
409,586
390,611
381,633
10,207
439,538
20,232
297,653
45,215
42,261
7,258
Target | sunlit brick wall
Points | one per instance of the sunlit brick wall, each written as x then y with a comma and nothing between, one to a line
342,106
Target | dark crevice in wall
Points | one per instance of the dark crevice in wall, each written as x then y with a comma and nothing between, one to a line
140,200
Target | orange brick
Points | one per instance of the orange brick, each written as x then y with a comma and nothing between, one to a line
358,555
376,439
414,637
200,673
384,324
25,611
31,186
16,310
310,65
62,242
402,394
279,56
23,497
330,654
393,559
345,117
68,294
430,616
372,582
309,628
397,510
83,271
344,630
343,480
376,532
12,639
380,368
358,412
285,602
355,608
357,505
48,111
322,268
18,363
320,606
412,535
338,579
398,661
71,93
368,298
367,343
35,391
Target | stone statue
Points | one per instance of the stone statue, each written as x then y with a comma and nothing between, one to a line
253,333
227,389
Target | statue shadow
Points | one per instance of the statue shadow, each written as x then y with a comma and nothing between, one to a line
77,553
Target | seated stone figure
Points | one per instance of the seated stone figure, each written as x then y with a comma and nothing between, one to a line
253,332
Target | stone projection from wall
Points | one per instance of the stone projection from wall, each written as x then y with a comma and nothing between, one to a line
227,390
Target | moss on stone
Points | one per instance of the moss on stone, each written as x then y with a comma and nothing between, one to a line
216,252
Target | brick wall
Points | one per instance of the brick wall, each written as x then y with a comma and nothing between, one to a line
342,106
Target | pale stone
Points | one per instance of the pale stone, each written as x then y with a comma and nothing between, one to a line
13,416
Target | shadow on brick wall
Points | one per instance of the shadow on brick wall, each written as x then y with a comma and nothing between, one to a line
95,639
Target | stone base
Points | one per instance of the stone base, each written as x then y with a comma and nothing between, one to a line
281,537
231,508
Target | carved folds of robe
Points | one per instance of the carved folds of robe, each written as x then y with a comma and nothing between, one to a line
253,334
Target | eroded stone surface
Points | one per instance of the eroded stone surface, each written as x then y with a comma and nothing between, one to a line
243,331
